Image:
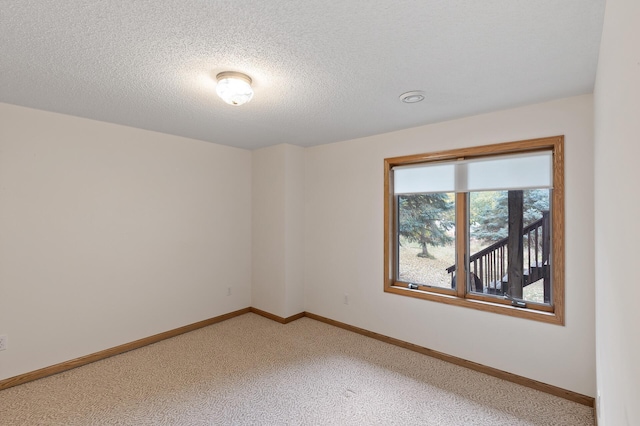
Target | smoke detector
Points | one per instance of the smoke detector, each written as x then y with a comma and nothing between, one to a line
412,97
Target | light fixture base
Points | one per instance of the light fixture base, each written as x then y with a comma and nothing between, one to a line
234,74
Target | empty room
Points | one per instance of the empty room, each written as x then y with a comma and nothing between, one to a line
308,213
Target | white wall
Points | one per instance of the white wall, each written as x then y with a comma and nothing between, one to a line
268,248
294,230
617,211
278,233
344,247
109,234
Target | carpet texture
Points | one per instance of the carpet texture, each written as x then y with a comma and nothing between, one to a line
253,371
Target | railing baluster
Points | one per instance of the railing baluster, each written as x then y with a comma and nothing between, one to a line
529,252
536,248
502,269
495,268
492,267
491,277
496,257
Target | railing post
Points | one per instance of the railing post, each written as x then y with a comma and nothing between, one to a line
546,246
514,245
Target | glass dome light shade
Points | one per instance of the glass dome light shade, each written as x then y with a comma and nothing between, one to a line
234,88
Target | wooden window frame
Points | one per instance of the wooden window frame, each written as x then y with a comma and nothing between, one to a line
552,313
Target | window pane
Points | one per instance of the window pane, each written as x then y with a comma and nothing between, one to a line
525,272
426,238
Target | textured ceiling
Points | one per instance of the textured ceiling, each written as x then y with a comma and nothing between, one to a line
322,71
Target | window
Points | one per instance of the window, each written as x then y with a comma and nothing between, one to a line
480,227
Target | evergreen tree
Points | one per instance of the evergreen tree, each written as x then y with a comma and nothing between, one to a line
490,212
425,219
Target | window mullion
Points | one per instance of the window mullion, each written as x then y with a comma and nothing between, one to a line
461,244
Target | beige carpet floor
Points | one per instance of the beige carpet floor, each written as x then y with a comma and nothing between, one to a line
252,371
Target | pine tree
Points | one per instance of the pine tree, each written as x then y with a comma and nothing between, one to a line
425,219
490,213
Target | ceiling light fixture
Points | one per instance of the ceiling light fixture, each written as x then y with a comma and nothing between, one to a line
412,97
234,88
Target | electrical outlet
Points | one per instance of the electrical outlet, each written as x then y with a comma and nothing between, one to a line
228,291
346,299
4,342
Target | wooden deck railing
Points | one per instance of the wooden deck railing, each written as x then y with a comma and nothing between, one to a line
489,265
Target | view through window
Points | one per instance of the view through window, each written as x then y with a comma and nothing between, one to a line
493,212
